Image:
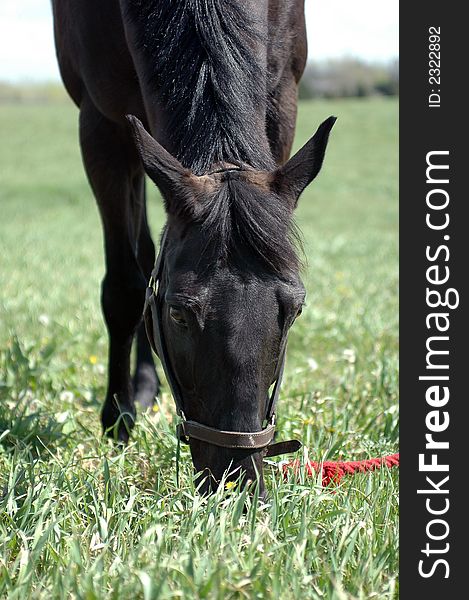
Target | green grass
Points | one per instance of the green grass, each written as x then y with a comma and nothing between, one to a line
79,519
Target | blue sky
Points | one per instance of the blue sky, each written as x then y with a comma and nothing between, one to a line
366,28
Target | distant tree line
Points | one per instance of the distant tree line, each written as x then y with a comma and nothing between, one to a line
32,93
338,78
349,77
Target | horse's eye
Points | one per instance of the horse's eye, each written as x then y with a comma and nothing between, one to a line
177,316
300,310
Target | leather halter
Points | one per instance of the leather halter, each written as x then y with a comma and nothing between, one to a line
192,429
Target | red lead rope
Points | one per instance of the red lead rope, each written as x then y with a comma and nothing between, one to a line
334,471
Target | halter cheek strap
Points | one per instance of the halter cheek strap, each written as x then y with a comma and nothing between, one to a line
188,429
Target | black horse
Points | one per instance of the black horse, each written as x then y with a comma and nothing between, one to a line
215,81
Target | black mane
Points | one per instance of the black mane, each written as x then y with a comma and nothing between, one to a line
202,58
240,223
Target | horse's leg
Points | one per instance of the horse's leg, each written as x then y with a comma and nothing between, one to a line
146,382
283,99
112,167
281,118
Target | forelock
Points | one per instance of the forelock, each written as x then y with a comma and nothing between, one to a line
243,224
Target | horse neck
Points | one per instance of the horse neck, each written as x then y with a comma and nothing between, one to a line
203,69
203,148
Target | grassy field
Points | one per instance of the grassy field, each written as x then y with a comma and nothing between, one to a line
79,519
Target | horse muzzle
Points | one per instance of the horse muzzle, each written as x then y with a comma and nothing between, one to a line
214,465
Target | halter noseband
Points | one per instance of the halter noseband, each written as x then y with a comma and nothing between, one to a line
192,429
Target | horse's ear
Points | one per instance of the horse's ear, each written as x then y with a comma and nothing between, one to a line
172,179
291,179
